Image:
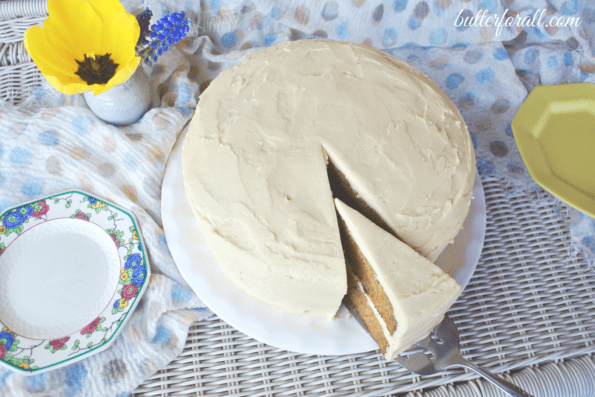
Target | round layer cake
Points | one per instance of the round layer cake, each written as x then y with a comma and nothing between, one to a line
265,131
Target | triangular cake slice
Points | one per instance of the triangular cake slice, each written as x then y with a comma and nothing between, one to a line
400,295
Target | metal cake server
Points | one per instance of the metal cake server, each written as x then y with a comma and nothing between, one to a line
443,343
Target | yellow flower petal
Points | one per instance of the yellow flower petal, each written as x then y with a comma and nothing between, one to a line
54,33
78,27
120,29
80,22
51,62
107,9
69,88
120,37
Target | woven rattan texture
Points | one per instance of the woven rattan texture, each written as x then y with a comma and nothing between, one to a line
18,74
527,305
14,9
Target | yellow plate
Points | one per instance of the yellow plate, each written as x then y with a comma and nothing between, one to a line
555,132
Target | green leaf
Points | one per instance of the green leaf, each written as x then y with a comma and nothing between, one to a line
109,218
131,228
114,215
7,357
129,251
56,201
53,350
63,347
3,341
88,216
36,367
69,201
114,311
76,343
48,346
19,229
119,322
89,344
101,319
103,340
26,358
104,329
67,205
16,342
31,361
120,291
88,335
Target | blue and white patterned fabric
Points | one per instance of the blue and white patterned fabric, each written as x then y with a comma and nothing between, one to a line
55,142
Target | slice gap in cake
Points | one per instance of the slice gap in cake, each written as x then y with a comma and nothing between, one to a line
399,295
342,189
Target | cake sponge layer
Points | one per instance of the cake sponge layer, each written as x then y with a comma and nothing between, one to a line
419,292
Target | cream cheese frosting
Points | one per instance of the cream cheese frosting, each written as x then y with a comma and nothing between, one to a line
255,172
419,291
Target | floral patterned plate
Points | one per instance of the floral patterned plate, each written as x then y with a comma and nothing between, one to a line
73,267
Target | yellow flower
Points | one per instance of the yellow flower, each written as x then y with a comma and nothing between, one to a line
123,302
124,274
5,329
2,229
134,235
24,365
98,204
94,38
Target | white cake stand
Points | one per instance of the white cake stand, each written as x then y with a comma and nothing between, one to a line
263,322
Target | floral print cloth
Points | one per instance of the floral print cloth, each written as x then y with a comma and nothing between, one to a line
54,142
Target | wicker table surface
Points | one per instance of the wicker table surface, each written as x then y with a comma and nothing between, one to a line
528,312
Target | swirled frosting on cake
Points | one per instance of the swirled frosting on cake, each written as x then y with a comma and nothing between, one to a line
255,165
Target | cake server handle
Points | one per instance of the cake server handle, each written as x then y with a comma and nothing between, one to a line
504,385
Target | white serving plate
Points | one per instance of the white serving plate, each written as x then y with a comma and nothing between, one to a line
74,267
265,323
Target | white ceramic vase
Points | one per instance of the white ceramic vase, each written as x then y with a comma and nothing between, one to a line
125,103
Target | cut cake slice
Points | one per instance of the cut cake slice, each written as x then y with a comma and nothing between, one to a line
400,295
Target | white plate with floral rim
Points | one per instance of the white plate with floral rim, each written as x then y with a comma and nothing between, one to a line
301,334
74,266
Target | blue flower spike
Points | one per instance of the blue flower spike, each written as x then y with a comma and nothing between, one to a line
162,35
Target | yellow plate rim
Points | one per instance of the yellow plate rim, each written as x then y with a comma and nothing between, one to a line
532,109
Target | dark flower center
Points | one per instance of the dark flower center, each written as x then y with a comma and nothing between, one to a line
98,69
